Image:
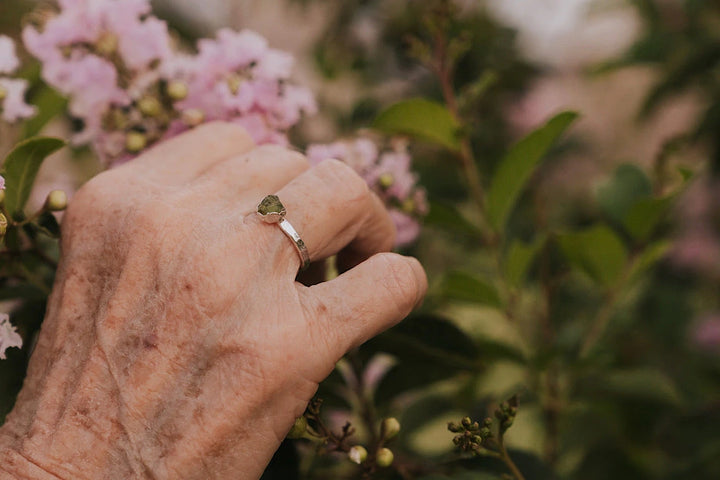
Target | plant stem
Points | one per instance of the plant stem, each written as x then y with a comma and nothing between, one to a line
505,457
444,71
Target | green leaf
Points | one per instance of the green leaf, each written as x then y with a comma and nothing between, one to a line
49,104
645,215
21,166
469,288
519,258
596,251
423,119
494,350
448,218
650,256
642,383
22,291
516,168
428,348
628,185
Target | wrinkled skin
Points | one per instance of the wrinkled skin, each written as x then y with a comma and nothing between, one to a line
177,343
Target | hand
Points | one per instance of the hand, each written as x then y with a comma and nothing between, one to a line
177,343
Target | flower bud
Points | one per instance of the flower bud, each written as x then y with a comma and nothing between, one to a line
3,225
389,428
408,205
135,142
454,427
386,180
193,117
2,196
384,457
56,201
177,90
3,93
150,106
466,421
357,454
298,429
107,44
233,82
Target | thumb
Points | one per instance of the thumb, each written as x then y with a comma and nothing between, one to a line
364,301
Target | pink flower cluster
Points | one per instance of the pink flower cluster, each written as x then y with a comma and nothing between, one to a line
131,87
12,91
389,175
706,332
698,244
8,336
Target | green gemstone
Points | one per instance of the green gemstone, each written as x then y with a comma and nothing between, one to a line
271,204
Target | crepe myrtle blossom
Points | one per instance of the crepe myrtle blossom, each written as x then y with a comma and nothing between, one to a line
706,332
389,175
131,88
237,77
8,336
12,91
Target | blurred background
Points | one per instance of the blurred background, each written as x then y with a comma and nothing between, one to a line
645,77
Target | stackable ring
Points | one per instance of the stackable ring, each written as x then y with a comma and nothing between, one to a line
271,210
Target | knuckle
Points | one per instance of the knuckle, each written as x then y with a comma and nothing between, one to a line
335,172
223,132
278,153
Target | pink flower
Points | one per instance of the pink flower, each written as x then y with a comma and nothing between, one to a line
2,183
361,153
394,168
388,174
13,106
8,336
237,77
406,226
706,333
116,64
91,84
101,27
8,60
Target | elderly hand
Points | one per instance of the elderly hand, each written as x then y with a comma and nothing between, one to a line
177,343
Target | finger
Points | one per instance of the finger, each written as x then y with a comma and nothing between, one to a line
331,207
363,301
241,181
182,158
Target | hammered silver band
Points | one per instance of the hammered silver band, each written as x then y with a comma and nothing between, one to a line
297,242
271,210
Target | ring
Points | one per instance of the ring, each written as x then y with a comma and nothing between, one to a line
271,210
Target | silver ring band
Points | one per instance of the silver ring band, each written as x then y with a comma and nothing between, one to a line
297,242
271,210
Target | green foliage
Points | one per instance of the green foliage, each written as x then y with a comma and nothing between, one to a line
469,288
519,258
596,251
517,166
20,168
420,118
